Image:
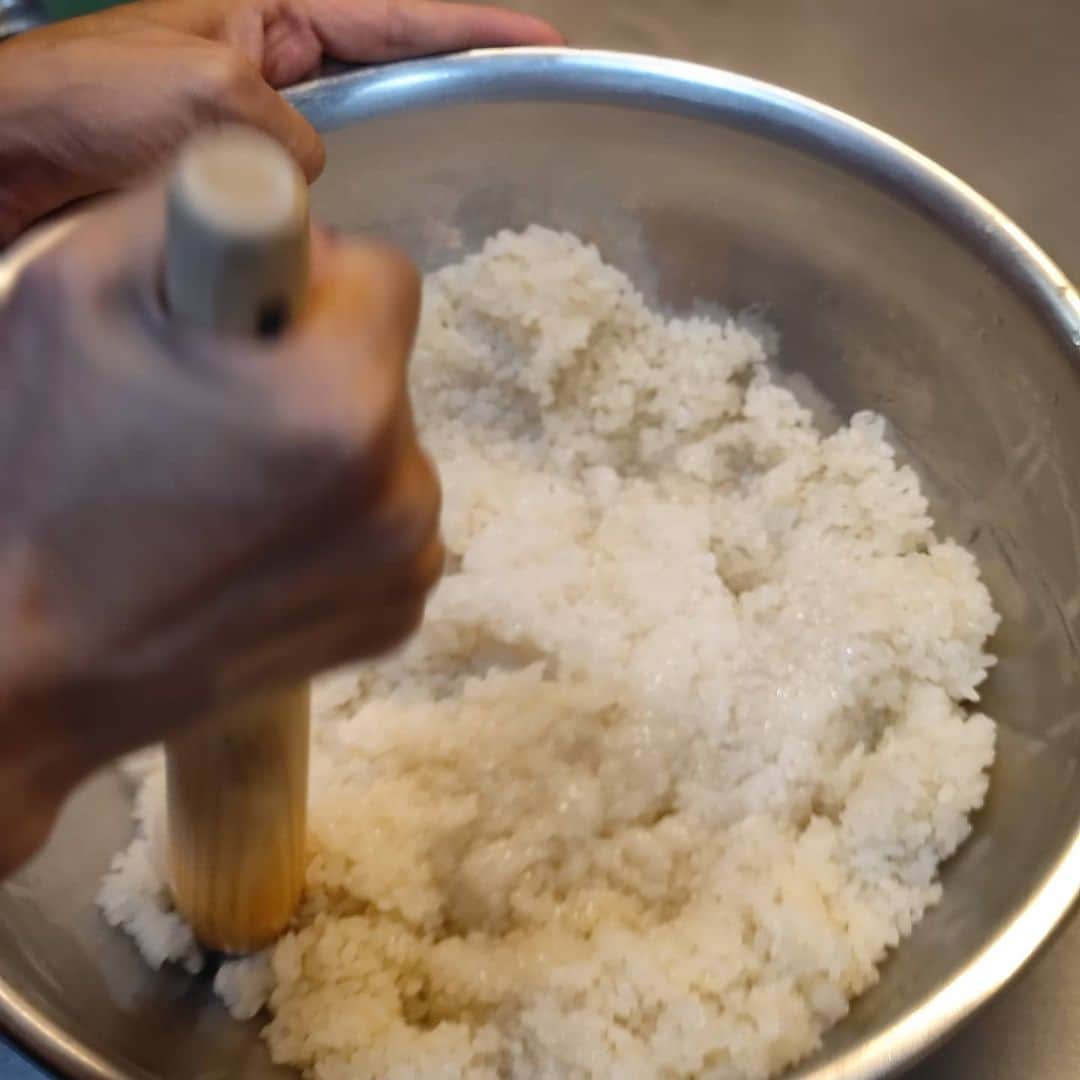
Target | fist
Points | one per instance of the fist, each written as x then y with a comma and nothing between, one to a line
184,519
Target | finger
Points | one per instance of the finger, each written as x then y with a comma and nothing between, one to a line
255,102
404,28
358,326
319,647
366,284
281,622
295,598
347,554
334,382
430,26
91,250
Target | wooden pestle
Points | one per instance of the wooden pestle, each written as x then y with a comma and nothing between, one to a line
236,261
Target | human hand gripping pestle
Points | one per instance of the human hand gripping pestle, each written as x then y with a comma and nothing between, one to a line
236,262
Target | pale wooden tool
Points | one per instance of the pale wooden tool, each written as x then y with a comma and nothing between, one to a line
236,261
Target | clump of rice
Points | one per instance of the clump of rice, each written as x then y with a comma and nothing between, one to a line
678,752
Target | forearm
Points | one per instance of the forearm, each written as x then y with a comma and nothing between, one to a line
21,170
40,145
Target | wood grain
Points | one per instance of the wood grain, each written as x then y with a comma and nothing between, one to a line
237,822
236,261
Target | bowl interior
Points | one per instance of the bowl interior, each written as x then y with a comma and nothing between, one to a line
877,306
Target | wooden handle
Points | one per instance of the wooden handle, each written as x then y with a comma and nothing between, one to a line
236,261
236,249
237,820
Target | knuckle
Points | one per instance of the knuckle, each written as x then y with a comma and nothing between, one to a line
395,24
396,624
229,78
430,565
386,275
362,438
371,438
318,414
402,523
402,281
417,525
411,620
420,491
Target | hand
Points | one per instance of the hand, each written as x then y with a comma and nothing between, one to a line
185,520
88,106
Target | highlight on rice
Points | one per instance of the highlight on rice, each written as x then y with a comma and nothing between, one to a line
678,752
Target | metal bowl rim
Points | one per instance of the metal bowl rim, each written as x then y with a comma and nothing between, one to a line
350,96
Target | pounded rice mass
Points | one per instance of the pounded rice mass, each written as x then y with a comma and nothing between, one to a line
678,752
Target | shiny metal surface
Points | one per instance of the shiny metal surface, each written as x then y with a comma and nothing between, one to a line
893,287
16,16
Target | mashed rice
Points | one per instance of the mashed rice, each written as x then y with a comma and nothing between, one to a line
678,752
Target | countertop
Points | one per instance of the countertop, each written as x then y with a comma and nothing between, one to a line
991,90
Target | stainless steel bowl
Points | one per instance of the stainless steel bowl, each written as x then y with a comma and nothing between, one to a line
18,16
895,287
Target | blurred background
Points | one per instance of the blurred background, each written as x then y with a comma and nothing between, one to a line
52,10
19,15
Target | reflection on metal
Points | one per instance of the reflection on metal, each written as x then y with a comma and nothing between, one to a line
695,91
19,15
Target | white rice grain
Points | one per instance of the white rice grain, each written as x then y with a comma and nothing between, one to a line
679,750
